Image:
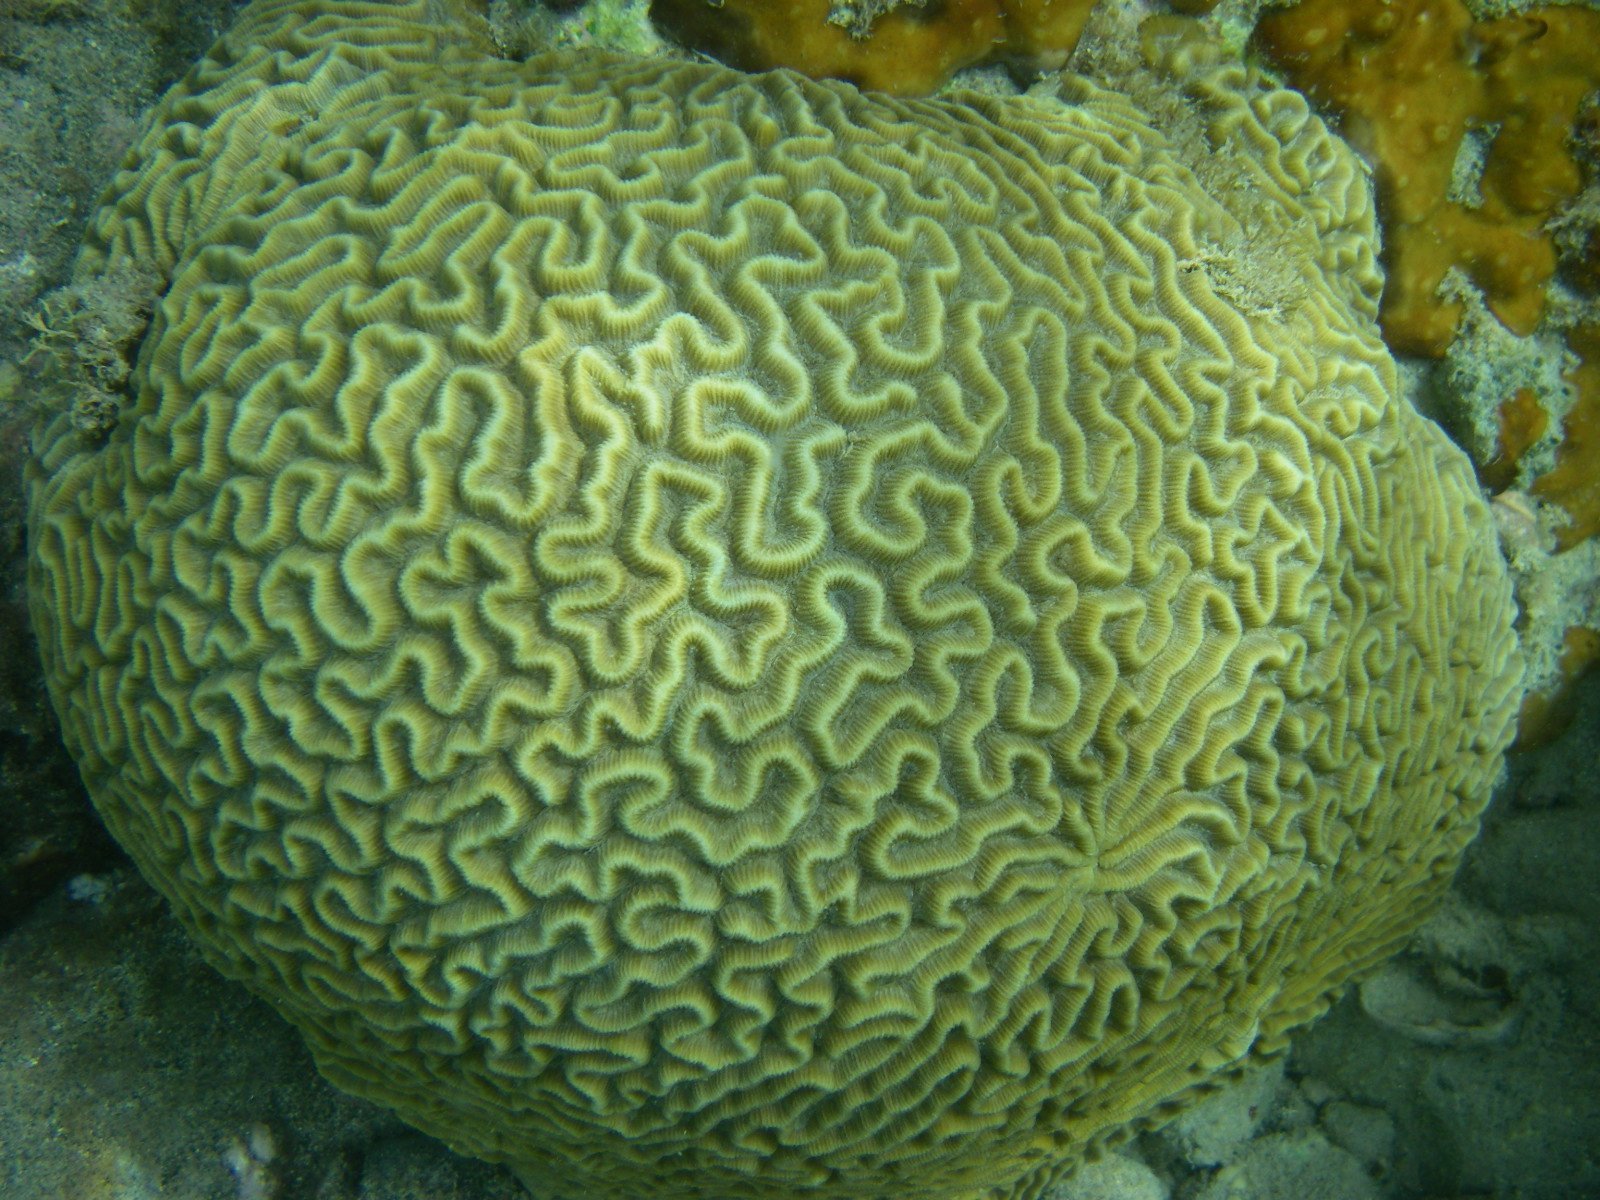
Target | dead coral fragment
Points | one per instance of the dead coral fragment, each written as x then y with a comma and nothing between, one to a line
1410,79
43,12
84,340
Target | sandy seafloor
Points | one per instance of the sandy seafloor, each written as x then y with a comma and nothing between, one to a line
129,1070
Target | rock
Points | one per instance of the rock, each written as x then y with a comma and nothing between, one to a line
1302,1165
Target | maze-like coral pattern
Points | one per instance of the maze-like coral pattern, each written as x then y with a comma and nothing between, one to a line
716,635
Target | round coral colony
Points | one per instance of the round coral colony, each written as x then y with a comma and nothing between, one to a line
724,634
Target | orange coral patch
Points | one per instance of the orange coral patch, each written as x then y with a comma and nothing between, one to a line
1522,423
1410,78
910,50
1544,715
1574,482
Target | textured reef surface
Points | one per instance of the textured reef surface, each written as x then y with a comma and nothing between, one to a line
689,631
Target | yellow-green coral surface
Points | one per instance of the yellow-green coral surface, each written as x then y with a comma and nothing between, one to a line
716,636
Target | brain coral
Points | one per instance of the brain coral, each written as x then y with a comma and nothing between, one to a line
719,635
